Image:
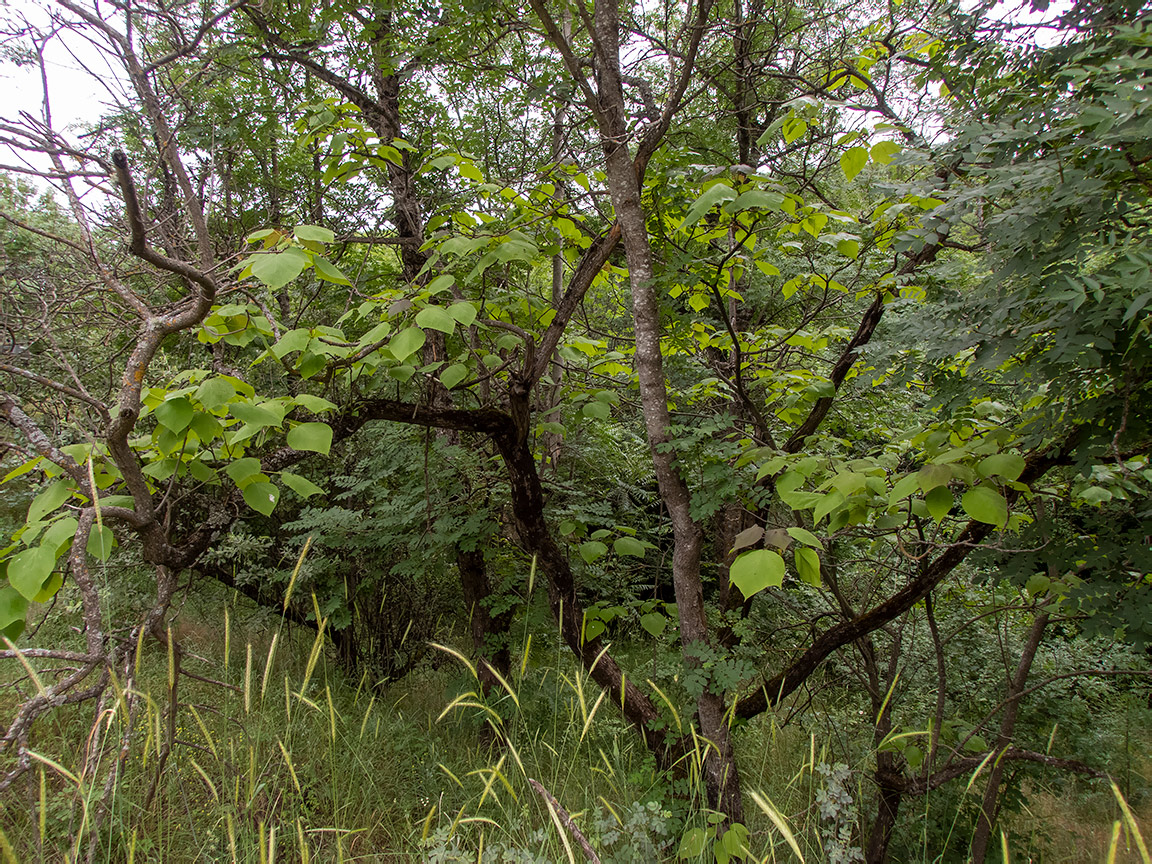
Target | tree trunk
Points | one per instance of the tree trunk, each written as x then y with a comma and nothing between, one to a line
489,632
1004,739
528,510
889,771
720,773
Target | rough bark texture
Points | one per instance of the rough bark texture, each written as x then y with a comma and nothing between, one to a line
720,773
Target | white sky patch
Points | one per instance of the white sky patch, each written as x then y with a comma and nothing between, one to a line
82,85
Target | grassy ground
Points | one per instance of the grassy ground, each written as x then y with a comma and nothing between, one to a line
284,758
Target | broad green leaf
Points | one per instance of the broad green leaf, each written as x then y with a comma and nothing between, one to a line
101,542
735,840
314,437
592,551
201,472
30,569
406,343
243,469
939,502
308,364
754,571
293,340
804,536
440,284
205,426
793,129
453,375
48,500
849,248
807,565
853,160
277,269
402,372
748,537
628,546
315,404
883,151
1095,495
1006,465
174,414
463,312
60,535
827,504
214,392
933,475
593,627
849,482
13,608
653,623
261,497
469,171
315,233
329,272
985,505
692,843
713,195
435,318
255,416
904,487
976,744
596,410
302,486
759,198
23,469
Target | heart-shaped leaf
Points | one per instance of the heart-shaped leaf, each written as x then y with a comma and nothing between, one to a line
435,318
261,497
985,505
754,571
653,623
30,569
592,550
314,437
628,546
406,343
302,486
453,375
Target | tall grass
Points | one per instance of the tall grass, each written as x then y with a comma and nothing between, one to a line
278,755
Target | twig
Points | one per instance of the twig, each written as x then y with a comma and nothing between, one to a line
566,820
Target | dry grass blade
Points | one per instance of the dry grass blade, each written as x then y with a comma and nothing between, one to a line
1130,819
780,822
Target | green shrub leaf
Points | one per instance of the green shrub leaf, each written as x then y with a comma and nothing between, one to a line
754,571
985,505
314,437
261,497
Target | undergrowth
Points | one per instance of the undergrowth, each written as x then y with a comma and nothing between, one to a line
278,755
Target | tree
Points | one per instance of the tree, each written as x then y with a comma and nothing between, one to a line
687,217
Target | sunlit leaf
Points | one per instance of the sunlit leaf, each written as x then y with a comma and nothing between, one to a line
314,437
406,343
985,505
754,571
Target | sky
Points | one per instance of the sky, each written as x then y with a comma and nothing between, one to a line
78,97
